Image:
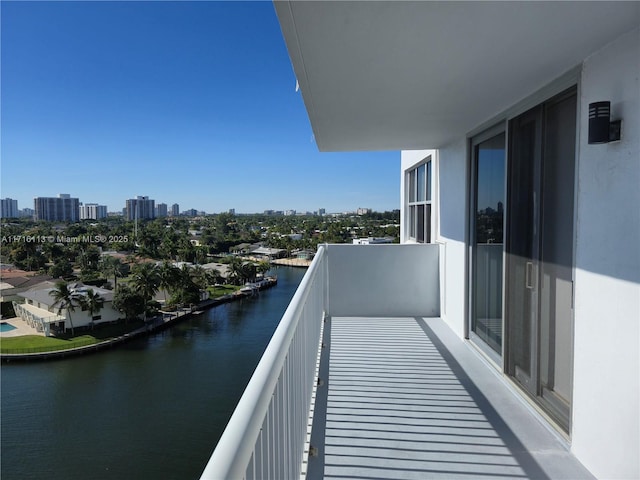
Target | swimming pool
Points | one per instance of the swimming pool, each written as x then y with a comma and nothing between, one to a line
6,327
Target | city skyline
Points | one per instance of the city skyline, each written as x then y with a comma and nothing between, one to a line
165,211
192,103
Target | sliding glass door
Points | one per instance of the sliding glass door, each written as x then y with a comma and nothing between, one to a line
525,170
487,239
539,247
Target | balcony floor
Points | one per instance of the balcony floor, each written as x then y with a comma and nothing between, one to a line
405,398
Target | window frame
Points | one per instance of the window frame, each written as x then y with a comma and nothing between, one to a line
420,230
499,128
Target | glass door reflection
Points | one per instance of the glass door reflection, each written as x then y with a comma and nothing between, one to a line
488,240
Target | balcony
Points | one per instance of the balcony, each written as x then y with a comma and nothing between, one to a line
362,379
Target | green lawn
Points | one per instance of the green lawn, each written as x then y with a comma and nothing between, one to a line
37,343
221,290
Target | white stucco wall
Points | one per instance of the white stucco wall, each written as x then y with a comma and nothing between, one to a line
81,318
383,281
449,204
452,166
605,431
606,401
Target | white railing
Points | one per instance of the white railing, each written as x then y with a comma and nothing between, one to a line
267,435
31,316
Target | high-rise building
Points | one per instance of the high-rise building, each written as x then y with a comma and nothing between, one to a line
161,210
92,211
10,208
321,211
192,212
363,211
140,208
175,210
232,211
62,208
27,212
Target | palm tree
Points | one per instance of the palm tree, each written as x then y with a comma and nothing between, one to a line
248,271
199,276
146,282
187,291
65,299
112,266
168,276
263,267
93,302
214,276
235,270
200,255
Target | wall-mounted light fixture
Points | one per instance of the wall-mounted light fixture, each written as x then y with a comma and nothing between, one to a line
601,128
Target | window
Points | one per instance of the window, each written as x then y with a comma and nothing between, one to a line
419,202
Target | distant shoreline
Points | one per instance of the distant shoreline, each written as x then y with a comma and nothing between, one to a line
160,322
292,262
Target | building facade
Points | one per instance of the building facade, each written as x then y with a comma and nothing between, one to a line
62,208
140,208
175,210
39,309
92,211
161,210
9,208
536,220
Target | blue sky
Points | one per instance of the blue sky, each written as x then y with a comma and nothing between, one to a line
186,102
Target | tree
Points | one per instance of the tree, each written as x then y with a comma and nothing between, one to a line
248,271
235,270
186,250
93,302
168,276
186,291
112,266
128,302
199,277
214,276
26,255
88,260
200,255
62,268
65,299
146,282
263,267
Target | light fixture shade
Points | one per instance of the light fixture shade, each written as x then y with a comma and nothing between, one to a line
599,119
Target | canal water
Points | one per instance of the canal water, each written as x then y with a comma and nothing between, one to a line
152,409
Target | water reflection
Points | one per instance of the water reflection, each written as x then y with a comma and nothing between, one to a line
153,408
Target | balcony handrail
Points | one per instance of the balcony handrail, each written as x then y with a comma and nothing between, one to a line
233,454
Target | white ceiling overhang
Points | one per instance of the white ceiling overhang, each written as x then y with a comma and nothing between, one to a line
410,75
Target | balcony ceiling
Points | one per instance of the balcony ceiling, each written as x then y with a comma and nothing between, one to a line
412,75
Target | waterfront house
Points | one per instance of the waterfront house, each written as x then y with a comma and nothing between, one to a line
39,311
14,282
501,338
